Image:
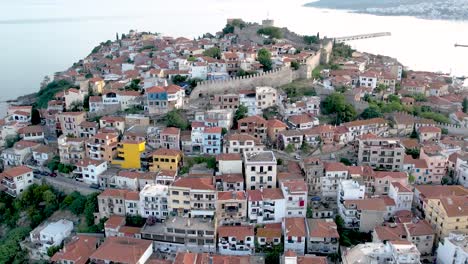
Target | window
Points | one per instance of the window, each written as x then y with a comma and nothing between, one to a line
252,168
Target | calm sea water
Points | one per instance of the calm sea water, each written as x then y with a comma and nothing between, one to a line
40,37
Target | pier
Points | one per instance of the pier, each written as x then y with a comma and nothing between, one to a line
363,36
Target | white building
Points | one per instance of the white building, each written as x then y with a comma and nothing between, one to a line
334,173
453,250
51,234
229,163
295,234
295,195
401,252
236,240
322,236
402,196
153,201
199,70
350,190
249,100
266,206
89,170
260,169
16,180
266,97
461,175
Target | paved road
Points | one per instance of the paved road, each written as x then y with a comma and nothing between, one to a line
68,185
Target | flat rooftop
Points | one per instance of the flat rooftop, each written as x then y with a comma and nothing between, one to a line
178,222
260,156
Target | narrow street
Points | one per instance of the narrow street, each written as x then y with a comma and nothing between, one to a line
67,185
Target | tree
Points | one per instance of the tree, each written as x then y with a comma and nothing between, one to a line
134,85
271,32
35,116
178,79
305,147
290,148
311,39
465,105
135,221
295,65
264,57
274,254
336,104
414,133
224,131
371,112
346,161
240,113
213,52
11,140
52,250
411,178
413,152
175,119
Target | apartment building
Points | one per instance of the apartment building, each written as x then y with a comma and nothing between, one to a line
240,143
313,170
259,170
225,101
363,214
88,170
402,196
436,160
193,197
376,126
165,159
447,214
322,236
231,207
16,180
182,234
154,201
295,234
334,172
392,252
102,146
266,206
118,202
129,154
419,232
229,163
274,128
236,240
253,125
71,150
70,121
381,153
454,249
269,235
381,181
169,138
266,97
295,195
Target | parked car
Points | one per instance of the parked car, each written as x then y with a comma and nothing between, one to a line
53,174
94,186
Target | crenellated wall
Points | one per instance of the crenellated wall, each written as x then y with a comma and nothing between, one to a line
273,78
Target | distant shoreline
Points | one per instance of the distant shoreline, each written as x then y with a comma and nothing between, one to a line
431,11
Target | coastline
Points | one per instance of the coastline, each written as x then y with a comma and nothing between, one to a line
321,4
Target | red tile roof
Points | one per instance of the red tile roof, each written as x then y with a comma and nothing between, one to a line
122,250
239,232
295,226
77,250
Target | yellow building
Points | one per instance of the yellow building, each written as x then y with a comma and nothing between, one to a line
165,159
447,214
128,154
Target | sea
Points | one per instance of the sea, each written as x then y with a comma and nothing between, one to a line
40,37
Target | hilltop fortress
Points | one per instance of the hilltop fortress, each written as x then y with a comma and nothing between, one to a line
310,56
